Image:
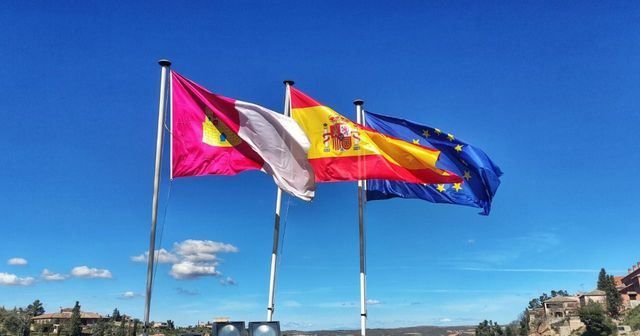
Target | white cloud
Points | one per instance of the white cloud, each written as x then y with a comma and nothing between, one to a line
87,272
192,259
202,250
373,302
444,320
162,256
7,279
228,281
50,276
189,270
17,261
130,295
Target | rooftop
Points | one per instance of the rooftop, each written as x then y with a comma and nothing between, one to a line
67,315
595,292
634,270
562,299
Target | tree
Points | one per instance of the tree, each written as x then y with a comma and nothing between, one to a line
523,323
560,292
633,318
597,323
614,299
170,324
12,323
102,328
607,284
602,280
534,304
35,308
512,329
544,297
136,323
116,315
25,315
25,319
489,328
121,329
75,324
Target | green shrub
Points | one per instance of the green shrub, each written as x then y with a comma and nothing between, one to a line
596,321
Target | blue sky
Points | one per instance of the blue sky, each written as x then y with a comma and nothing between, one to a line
548,90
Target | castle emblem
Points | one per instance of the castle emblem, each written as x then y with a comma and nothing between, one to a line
216,133
340,136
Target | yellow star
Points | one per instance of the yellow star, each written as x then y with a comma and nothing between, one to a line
440,187
416,141
467,175
458,148
450,137
426,133
457,186
438,131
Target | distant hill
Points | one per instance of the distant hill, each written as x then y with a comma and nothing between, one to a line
408,331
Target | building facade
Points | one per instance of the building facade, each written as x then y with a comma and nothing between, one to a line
596,296
51,322
629,287
561,306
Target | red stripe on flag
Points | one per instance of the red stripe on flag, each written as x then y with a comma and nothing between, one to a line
335,169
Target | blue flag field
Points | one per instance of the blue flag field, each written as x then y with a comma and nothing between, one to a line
481,176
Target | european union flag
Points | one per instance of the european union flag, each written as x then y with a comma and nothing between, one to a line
481,176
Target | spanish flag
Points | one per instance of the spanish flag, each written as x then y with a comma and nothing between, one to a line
342,150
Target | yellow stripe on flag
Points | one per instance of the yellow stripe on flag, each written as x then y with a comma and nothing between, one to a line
323,125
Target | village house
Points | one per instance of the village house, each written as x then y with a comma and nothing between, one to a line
629,287
561,306
160,325
51,322
595,295
559,315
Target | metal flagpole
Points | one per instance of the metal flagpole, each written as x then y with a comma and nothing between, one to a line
361,199
165,64
274,257
276,227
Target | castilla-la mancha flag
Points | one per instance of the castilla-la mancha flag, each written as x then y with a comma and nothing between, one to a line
216,135
342,150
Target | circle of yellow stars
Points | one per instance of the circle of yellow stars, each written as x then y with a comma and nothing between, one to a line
458,148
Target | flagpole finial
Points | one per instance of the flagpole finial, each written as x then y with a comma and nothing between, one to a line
164,62
358,102
288,82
